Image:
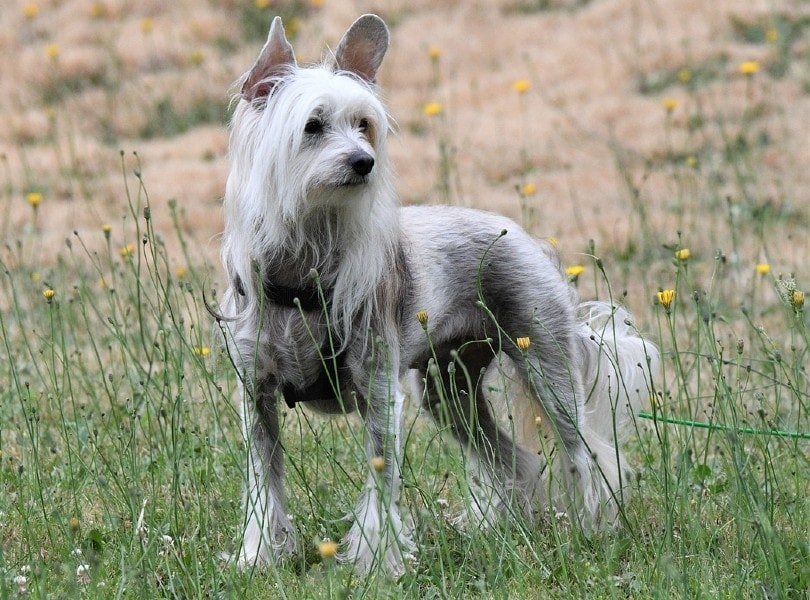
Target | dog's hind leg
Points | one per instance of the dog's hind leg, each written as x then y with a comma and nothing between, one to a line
584,479
507,475
268,531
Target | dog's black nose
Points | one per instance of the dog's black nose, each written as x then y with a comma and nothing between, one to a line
361,163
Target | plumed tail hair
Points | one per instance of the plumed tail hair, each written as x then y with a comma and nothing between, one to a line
617,366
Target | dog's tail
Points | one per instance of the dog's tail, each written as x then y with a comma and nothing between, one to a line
617,366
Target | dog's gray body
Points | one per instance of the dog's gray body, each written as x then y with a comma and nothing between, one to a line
310,190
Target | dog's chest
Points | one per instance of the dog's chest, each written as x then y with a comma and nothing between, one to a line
304,359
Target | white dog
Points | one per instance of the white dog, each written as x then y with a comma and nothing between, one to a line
327,274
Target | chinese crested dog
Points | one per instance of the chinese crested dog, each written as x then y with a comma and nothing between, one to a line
327,275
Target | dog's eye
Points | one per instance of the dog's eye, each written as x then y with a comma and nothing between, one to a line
313,126
363,125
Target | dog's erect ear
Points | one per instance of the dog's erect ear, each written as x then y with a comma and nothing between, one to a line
276,56
363,47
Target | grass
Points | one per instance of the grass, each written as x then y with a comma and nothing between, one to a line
121,461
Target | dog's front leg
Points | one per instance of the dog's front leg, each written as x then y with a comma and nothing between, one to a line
268,531
378,534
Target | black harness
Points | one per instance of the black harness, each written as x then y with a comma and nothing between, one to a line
332,370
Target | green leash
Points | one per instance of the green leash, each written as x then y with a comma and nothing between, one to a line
703,425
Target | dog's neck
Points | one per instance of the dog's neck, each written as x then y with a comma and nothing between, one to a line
309,298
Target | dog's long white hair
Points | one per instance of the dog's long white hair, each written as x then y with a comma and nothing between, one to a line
272,207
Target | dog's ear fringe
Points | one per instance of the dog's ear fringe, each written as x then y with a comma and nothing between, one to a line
266,89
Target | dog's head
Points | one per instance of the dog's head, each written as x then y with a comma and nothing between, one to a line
315,136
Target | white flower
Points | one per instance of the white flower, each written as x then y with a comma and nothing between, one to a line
83,574
21,581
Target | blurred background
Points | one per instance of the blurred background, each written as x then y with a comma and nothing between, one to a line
621,121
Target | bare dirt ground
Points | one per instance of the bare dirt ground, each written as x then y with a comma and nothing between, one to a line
82,80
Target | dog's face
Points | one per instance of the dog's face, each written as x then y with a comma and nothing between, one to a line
317,133
337,130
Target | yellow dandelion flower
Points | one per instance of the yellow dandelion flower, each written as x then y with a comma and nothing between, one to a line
30,10
316,3
521,86
433,109
553,241
691,161
683,254
98,10
434,52
262,3
49,294
180,272
293,26
574,271
378,463
665,298
763,268
749,67
201,350
106,229
33,198
52,50
528,189
523,343
127,251
422,317
684,75
196,58
327,549
74,524
797,298
147,25
669,104
772,35
538,421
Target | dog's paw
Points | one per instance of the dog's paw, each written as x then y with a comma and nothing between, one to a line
378,537
260,550
368,546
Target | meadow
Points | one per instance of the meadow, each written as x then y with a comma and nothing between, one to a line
664,149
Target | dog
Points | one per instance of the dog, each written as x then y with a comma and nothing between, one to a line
336,293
